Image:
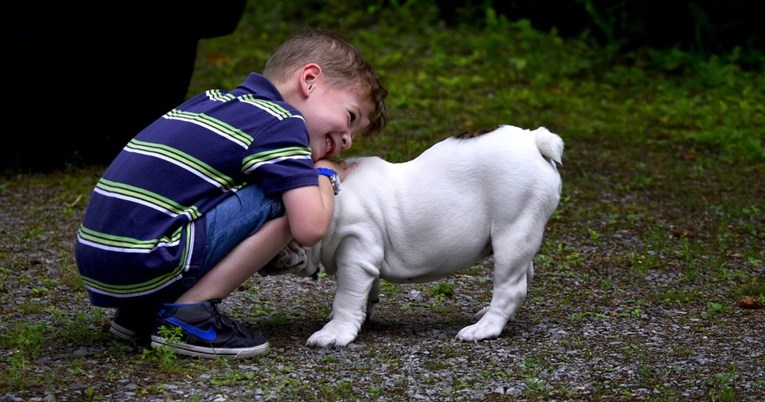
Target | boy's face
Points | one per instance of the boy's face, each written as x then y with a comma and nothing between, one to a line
334,116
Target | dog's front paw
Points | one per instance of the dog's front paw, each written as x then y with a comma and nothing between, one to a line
333,334
475,333
488,327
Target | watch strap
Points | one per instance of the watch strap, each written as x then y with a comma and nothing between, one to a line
334,178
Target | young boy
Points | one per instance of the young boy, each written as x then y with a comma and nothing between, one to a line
209,193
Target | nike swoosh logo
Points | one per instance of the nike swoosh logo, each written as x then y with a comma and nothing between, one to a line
208,335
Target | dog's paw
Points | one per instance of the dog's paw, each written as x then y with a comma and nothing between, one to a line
333,334
488,327
292,259
475,333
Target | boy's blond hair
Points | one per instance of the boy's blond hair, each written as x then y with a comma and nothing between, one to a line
341,63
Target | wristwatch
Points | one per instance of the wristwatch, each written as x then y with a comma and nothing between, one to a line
334,178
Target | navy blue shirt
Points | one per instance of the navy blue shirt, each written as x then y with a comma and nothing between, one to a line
144,224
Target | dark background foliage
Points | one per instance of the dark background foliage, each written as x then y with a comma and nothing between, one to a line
706,26
85,79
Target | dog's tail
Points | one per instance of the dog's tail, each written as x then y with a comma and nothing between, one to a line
550,145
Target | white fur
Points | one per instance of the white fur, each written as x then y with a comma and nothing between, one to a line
440,213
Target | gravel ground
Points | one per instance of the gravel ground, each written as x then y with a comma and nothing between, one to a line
587,331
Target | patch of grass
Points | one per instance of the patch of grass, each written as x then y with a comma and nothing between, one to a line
714,308
681,296
755,286
441,291
32,234
26,339
82,328
723,386
388,288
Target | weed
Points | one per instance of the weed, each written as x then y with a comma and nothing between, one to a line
754,287
27,339
17,371
675,295
580,315
31,234
165,356
723,389
535,384
388,288
441,291
40,291
714,308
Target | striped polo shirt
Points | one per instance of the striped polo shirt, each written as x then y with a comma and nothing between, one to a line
144,225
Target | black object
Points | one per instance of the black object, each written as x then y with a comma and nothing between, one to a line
80,80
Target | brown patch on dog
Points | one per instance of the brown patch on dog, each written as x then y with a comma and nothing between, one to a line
475,133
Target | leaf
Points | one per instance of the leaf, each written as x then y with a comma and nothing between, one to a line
750,303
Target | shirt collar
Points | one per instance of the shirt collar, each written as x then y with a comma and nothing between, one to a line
259,85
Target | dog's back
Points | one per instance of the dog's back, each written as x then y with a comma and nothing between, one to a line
550,145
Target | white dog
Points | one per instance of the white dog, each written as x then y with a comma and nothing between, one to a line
466,197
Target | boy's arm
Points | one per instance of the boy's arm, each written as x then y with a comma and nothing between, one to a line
309,209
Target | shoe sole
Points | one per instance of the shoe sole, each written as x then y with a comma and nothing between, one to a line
209,352
123,333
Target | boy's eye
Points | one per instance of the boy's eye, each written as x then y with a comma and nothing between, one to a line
352,116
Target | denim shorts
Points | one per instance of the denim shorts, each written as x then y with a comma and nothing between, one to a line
236,219
228,224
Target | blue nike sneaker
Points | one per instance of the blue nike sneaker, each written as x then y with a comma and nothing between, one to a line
205,332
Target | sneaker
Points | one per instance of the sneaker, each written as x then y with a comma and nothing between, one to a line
132,326
205,332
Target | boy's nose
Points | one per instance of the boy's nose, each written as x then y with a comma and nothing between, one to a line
345,141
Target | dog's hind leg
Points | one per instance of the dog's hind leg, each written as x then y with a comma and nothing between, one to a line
509,294
513,270
529,278
373,300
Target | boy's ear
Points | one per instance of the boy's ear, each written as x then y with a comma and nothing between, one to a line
310,75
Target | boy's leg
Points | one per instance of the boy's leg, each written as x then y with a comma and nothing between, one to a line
241,263
205,332
244,234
